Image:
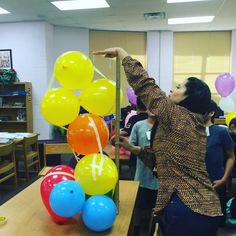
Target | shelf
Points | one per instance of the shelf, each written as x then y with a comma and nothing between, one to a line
13,107
16,102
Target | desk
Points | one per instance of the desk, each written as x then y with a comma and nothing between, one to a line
15,137
27,215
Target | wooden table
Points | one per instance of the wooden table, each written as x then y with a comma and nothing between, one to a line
27,215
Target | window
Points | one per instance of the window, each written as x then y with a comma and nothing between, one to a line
204,55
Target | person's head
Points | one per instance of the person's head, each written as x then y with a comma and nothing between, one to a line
232,126
192,94
151,117
211,111
140,106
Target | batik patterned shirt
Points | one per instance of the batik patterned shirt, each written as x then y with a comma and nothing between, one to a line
179,147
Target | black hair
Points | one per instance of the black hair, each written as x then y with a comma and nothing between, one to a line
233,208
140,105
198,96
212,108
232,122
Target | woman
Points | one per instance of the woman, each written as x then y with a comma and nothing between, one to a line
186,198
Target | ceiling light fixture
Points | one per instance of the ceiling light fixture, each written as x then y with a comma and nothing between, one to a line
178,1
80,4
190,20
3,11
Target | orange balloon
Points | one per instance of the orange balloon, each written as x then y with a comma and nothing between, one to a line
81,135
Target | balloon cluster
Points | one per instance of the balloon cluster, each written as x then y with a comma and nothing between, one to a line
65,198
74,71
225,84
63,190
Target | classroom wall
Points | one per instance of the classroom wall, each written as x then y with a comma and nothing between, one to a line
160,58
29,55
36,45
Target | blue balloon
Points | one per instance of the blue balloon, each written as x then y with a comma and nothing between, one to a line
99,213
67,198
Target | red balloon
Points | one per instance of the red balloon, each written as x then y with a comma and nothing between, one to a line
82,137
50,180
62,168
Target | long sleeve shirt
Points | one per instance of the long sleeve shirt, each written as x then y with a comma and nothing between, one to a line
179,147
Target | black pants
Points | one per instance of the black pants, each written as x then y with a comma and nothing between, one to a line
180,220
223,200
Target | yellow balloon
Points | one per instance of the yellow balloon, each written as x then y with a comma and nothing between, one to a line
60,106
73,70
96,173
229,117
100,97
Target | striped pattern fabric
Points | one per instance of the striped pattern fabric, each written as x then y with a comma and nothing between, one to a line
179,147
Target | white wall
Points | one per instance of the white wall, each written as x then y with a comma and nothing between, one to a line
160,58
35,46
27,41
70,39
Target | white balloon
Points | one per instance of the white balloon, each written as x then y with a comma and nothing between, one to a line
227,104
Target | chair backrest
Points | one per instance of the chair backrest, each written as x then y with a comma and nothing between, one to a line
30,143
55,148
7,149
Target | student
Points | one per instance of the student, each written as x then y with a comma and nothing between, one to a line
186,198
148,183
141,115
126,131
219,156
232,128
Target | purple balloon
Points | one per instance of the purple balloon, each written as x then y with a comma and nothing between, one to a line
225,84
131,96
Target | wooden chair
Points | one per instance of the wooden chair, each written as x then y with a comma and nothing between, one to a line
8,164
28,153
53,148
63,148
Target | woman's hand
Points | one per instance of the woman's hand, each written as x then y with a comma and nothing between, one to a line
112,52
124,142
218,183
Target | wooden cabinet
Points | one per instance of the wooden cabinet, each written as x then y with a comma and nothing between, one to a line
16,107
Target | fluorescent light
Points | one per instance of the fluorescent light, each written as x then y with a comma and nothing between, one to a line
178,1
190,20
3,11
80,4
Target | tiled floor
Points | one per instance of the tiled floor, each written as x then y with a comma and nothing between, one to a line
5,195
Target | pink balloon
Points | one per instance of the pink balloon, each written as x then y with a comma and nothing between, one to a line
225,84
131,96
132,113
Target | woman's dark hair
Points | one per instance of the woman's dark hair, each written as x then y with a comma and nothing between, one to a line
212,108
198,96
198,100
